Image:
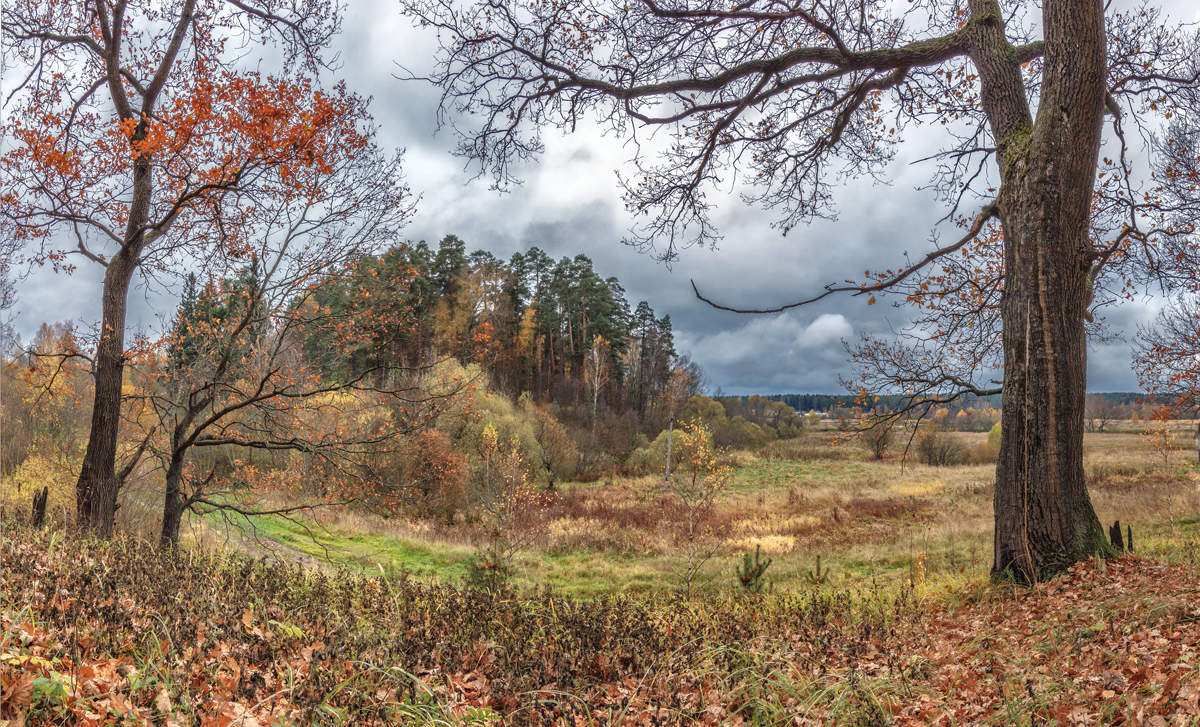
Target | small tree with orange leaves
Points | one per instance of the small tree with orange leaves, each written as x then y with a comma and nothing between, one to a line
700,478
138,141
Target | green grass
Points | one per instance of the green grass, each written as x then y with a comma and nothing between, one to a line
944,521
362,549
776,474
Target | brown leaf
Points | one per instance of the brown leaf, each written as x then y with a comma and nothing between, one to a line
162,702
18,695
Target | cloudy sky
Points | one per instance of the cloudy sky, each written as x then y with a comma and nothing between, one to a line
570,203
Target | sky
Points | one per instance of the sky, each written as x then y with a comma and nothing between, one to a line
570,203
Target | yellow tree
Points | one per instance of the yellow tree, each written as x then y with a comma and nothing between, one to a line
698,482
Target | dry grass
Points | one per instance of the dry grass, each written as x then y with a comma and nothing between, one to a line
867,520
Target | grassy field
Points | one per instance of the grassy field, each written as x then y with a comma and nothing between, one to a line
883,522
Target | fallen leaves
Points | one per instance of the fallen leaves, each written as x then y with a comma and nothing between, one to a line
1118,644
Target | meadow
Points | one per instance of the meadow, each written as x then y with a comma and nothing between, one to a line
868,521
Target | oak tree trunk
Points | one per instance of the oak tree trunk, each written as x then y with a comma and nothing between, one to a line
97,488
173,503
1044,518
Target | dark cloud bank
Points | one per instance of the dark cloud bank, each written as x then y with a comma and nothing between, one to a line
570,204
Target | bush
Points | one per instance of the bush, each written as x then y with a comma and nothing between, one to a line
878,437
937,448
642,461
994,436
981,454
437,471
559,450
472,407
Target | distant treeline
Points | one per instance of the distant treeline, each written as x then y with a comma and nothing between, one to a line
834,402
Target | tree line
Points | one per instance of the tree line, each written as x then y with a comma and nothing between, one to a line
555,328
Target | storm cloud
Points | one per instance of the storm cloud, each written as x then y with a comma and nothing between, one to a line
569,203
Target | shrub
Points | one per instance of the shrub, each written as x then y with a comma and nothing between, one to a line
559,450
437,471
878,437
472,407
994,436
642,461
981,454
937,448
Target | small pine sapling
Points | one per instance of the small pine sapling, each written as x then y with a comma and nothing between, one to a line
752,571
817,576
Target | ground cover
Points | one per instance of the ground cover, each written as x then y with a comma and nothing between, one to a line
121,633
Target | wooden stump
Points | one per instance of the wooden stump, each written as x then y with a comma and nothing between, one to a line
39,507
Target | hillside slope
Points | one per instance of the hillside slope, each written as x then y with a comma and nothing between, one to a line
117,633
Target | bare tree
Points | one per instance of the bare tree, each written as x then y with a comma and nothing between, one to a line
234,377
1100,412
788,97
878,435
1167,361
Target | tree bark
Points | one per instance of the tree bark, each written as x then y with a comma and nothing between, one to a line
97,488
173,503
1044,517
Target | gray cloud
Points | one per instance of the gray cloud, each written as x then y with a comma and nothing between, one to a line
569,203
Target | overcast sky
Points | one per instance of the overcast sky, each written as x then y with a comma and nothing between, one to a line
570,204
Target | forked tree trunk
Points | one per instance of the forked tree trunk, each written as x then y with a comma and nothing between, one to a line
97,488
1044,518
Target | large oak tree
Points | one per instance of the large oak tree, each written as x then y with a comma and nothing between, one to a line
790,96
